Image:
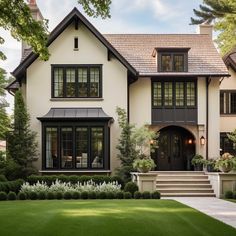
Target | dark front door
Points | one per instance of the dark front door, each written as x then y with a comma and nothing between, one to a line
176,148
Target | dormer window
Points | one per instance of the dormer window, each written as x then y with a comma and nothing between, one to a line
172,59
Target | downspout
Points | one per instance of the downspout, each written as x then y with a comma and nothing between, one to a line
207,114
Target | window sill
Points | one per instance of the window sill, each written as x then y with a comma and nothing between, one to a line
75,99
75,171
228,115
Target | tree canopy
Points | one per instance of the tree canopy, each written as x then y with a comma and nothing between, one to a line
222,13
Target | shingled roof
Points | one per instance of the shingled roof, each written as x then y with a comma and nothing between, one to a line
230,59
137,49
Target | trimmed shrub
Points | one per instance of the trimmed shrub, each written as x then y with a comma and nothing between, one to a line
131,187
67,195
3,196
102,195
110,195
234,194
59,195
137,195
120,195
33,196
21,196
11,186
156,195
127,195
92,195
11,196
229,194
50,196
3,178
84,195
146,195
75,195
42,195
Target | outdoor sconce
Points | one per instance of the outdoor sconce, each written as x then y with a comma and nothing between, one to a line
190,141
202,140
151,142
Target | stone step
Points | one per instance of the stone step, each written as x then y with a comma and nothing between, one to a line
188,195
186,185
182,177
178,172
185,190
182,181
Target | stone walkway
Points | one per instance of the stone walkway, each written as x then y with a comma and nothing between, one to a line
217,208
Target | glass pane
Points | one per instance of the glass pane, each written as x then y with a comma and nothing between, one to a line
58,82
70,82
81,147
97,153
191,97
178,62
66,148
83,82
94,82
166,63
157,94
233,103
179,94
222,103
168,94
51,148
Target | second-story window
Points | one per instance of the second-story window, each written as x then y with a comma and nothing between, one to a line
228,102
76,81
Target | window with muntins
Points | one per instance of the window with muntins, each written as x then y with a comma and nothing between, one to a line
77,81
174,94
228,102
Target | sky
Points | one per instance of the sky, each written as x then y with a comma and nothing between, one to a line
127,16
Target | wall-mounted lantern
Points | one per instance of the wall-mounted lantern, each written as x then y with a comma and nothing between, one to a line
202,140
190,141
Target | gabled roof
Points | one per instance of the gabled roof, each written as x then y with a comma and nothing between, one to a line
137,49
72,16
230,59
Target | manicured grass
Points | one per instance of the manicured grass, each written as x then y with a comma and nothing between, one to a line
231,200
106,218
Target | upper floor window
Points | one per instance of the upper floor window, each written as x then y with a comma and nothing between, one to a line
228,102
172,59
174,94
76,81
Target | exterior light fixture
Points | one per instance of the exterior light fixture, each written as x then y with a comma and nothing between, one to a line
190,141
152,142
202,140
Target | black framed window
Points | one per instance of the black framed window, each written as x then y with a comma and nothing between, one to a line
76,81
226,144
169,94
173,62
75,146
228,102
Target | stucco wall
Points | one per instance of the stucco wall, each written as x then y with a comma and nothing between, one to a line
91,51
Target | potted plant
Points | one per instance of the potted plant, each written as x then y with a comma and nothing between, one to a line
225,163
210,165
144,164
198,161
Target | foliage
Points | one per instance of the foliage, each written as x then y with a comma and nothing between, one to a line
232,137
120,195
3,196
146,195
228,194
51,196
197,160
11,196
42,195
92,195
67,195
21,196
226,160
234,194
137,195
223,14
59,195
84,195
96,8
33,195
127,195
102,195
75,195
110,195
131,187
156,195
3,178
13,186
144,165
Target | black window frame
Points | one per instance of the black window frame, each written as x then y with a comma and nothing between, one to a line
172,55
174,106
225,105
74,125
229,147
76,67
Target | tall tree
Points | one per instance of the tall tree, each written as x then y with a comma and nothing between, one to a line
16,17
4,118
223,14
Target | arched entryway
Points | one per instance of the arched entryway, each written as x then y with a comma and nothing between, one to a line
176,147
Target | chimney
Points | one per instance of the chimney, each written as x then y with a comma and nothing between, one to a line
205,28
37,15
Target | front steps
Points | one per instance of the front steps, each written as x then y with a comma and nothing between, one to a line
183,184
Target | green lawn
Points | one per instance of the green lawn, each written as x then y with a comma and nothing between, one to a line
106,218
231,200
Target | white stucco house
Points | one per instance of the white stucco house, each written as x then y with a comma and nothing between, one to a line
171,82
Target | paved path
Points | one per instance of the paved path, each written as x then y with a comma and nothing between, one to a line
217,208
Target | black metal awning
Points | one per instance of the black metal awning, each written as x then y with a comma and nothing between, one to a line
78,114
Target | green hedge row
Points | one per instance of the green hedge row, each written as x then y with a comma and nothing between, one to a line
49,179
230,194
11,186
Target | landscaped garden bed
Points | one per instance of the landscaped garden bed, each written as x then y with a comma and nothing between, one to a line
106,218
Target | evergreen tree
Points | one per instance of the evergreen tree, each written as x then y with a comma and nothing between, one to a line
223,14
21,144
